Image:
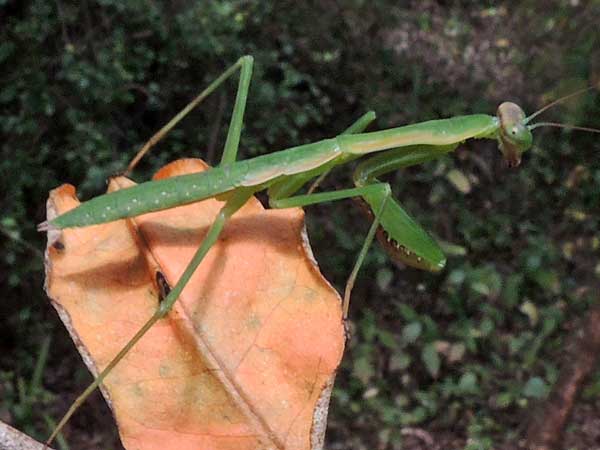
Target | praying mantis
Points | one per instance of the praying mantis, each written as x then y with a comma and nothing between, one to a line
285,172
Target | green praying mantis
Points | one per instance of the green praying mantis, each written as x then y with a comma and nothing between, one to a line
285,172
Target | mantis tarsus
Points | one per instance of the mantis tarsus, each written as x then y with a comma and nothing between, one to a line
285,172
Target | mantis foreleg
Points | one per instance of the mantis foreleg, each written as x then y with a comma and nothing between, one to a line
398,158
400,235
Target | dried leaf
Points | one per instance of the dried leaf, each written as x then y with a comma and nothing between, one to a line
247,357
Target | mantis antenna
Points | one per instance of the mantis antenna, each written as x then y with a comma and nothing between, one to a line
557,101
556,124
563,125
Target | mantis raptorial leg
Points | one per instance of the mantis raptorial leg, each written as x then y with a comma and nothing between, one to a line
285,172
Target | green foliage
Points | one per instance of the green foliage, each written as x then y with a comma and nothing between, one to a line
84,85
26,400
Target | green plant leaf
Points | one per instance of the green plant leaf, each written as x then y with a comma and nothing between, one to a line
431,359
536,387
411,332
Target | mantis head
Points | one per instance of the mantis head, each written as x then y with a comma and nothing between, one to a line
514,136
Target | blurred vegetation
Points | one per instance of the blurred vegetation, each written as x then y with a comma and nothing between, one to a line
463,354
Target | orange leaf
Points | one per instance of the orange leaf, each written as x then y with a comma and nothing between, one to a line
247,357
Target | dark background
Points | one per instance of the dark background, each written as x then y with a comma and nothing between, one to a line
463,355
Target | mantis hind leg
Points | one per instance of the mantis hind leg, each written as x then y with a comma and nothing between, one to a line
384,195
233,136
378,190
237,118
234,203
